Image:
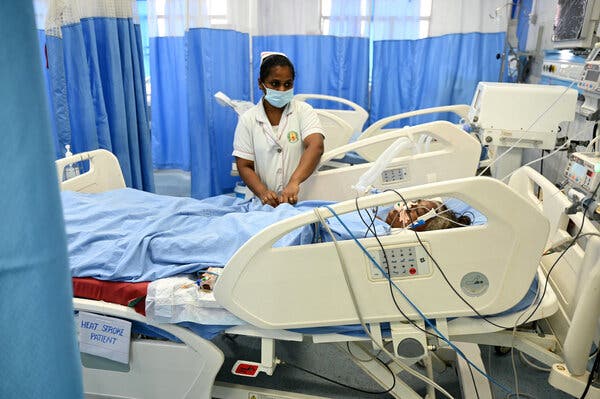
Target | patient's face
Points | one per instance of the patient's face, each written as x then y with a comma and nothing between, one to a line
404,217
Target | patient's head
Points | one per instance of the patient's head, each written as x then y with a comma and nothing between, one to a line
444,218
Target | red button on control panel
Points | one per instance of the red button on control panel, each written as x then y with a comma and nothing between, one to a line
412,270
246,369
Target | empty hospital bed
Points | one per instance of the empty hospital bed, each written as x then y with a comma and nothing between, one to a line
188,370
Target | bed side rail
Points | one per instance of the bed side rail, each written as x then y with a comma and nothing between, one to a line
104,172
453,154
309,286
462,110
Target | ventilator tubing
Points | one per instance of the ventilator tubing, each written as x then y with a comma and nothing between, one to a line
368,178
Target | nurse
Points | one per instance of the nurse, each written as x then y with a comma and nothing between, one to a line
278,142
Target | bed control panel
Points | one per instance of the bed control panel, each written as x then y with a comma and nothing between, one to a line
394,175
405,262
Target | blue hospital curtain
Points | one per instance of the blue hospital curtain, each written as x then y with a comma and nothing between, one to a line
94,65
197,49
437,57
38,346
327,43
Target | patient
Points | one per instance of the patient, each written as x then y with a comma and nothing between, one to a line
434,216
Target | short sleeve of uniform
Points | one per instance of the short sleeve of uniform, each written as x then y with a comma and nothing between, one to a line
242,141
309,120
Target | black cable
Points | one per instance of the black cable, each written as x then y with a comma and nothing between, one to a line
595,369
370,226
473,379
357,358
389,280
348,386
442,272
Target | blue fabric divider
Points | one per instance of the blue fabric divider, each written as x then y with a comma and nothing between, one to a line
49,98
98,94
416,74
523,25
191,130
38,348
336,66
170,137
217,61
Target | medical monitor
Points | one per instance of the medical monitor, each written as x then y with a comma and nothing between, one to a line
521,115
575,23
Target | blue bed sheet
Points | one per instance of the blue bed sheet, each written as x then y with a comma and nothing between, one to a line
131,235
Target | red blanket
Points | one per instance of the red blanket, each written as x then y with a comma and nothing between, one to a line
127,294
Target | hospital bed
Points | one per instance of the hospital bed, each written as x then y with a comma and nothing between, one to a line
187,369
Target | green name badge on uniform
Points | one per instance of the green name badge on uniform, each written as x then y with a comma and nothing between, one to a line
292,136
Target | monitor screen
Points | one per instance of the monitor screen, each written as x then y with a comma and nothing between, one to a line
569,20
592,75
578,170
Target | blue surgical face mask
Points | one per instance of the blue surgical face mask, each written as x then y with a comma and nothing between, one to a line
278,98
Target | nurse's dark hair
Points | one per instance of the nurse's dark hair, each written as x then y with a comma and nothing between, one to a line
272,61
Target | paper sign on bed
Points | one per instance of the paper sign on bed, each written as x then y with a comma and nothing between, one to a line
104,336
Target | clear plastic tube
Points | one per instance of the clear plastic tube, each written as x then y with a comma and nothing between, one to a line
366,181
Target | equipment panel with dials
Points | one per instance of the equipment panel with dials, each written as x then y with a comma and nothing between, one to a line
583,170
590,76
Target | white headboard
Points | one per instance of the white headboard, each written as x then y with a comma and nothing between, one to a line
104,172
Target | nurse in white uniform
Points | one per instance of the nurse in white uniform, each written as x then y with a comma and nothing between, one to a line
279,142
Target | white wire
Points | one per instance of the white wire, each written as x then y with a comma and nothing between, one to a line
361,320
591,143
526,131
514,332
531,364
566,143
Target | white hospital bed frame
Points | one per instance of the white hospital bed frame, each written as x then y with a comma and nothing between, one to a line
377,128
452,154
201,356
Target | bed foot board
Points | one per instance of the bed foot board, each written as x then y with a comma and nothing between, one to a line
157,369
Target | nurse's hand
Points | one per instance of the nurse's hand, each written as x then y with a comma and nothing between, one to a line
290,193
269,198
